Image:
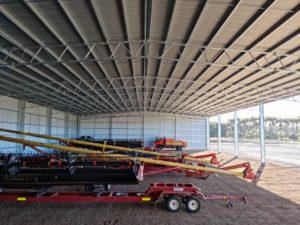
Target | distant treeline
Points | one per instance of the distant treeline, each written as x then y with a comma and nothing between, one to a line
275,128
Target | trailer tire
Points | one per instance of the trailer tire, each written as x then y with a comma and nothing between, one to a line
173,203
192,204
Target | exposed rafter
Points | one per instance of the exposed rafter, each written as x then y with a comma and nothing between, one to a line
265,62
194,58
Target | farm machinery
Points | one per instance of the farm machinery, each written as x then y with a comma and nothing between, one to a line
104,165
161,143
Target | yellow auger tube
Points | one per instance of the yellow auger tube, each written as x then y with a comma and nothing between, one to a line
142,159
118,148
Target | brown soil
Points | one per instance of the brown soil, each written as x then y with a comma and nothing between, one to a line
275,200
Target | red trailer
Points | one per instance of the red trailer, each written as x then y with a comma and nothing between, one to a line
174,195
170,143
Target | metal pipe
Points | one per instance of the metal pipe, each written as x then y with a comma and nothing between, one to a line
262,134
66,125
219,134
236,135
21,121
142,159
113,147
207,134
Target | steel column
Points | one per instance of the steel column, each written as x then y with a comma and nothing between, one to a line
236,135
207,134
262,134
143,130
219,134
21,122
176,128
66,130
77,126
110,128
49,122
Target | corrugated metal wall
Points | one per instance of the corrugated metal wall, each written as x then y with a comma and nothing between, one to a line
72,126
35,119
58,124
97,128
148,128
35,122
126,128
194,131
159,127
8,120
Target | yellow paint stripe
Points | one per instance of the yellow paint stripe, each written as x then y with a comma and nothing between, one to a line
146,199
21,199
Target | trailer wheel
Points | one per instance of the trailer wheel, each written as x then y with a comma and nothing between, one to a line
192,204
173,203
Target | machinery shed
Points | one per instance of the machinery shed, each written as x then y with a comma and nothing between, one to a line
127,73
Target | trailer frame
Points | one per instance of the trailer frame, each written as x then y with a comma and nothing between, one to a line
184,192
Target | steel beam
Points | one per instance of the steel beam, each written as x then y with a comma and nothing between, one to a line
33,37
234,61
286,90
128,53
111,50
67,48
55,72
163,48
268,56
220,26
31,91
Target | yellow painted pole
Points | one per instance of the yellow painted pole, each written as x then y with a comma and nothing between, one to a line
103,146
86,143
142,159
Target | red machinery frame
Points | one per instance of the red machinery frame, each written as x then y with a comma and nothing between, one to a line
213,157
150,169
152,194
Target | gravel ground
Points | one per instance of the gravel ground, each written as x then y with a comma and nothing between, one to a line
274,200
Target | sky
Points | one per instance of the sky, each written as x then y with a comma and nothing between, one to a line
282,109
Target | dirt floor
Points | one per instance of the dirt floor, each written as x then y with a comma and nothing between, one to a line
274,200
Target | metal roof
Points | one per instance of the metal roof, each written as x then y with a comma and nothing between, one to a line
188,57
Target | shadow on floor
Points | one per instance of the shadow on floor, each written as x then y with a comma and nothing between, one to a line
228,161
259,172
